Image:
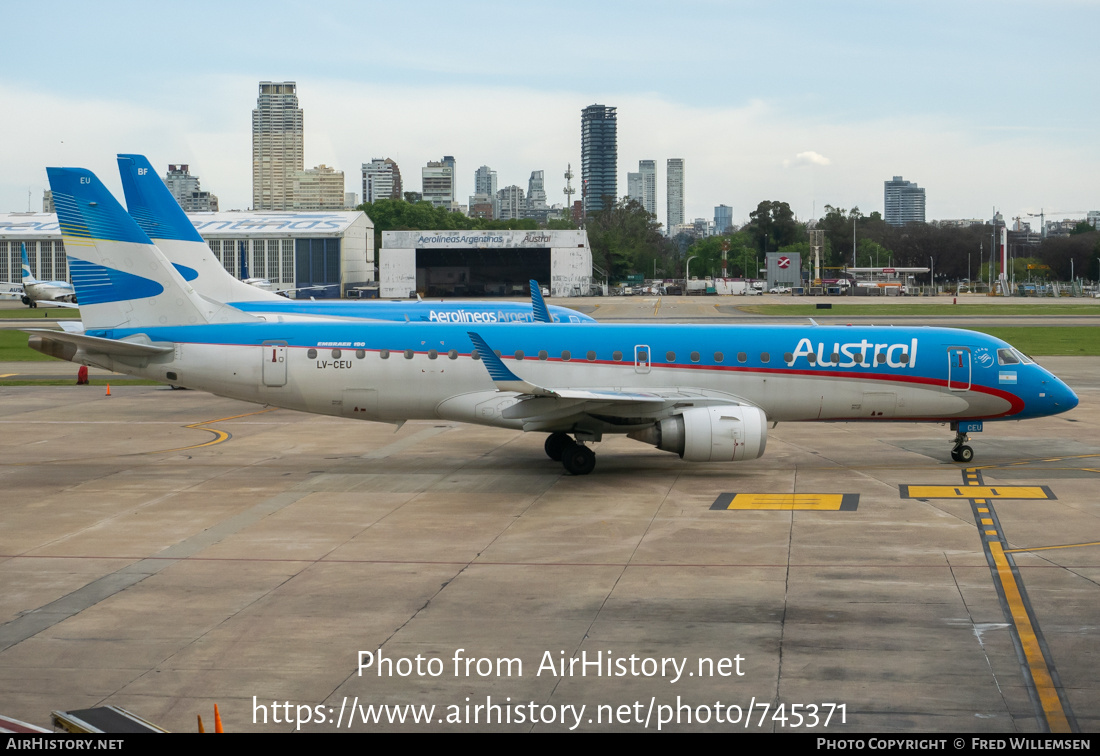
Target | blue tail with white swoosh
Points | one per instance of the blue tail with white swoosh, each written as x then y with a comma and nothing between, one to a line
121,278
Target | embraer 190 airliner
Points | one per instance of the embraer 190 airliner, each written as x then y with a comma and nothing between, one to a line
158,214
707,393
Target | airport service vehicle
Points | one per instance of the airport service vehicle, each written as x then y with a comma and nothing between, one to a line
161,218
707,393
34,291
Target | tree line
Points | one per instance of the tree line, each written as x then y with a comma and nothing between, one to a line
626,239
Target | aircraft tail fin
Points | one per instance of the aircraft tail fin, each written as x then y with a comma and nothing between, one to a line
28,277
118,273
162,219
151,204
244,261
542,313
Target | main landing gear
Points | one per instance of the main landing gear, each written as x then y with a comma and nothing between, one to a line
961,452
576,458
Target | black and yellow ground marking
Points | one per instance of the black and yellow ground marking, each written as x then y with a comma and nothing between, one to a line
972,490
788,502
1037,663
219,435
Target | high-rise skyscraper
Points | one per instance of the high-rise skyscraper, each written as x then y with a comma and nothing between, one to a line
485,181
723,218
599,156
449,161
483,202
634,188
381,180
675,194
537,208
510,202
439,184
277,145
320,188
904,202
648,169
185,188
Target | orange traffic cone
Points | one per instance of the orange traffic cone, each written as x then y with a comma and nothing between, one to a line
108,389
217,720
201,728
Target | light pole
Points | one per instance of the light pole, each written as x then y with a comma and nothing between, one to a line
932,265
687,273
853,241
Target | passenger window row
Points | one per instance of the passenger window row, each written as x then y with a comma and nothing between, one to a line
1004,356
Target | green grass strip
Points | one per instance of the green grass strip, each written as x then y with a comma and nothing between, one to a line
938,309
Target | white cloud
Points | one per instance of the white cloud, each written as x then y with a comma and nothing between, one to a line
807,158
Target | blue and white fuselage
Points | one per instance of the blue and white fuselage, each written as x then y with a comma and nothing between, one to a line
426,371
706,393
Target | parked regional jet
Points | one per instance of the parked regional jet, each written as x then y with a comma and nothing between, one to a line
11,291
706,393
59,293
158,214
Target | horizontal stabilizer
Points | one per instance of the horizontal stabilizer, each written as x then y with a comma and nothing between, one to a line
96,345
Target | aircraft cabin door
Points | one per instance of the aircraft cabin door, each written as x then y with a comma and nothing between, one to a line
641,358
274,363
958,368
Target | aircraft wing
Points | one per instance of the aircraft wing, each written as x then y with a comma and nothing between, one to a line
542,408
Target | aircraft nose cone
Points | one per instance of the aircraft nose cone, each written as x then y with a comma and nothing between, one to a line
1066,399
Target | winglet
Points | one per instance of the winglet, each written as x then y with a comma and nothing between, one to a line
542,314
504,378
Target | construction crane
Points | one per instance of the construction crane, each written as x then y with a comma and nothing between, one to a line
1041,215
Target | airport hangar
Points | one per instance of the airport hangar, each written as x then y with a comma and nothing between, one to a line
484,263
333,251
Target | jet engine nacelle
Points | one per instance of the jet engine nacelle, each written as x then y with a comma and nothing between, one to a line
711,434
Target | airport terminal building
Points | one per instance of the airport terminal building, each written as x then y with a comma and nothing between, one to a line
332,251
484,263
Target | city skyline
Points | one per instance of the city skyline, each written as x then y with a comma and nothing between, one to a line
815,121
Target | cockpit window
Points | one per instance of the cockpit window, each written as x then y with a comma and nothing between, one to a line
1023,357
1007,357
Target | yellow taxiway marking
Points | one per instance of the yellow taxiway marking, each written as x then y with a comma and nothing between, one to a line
1040,674
8,375
1048,548
788,501
219,435
976,492
657,306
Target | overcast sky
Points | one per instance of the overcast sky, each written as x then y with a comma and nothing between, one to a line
985,104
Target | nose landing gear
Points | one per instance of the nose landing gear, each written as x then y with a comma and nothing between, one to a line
961,451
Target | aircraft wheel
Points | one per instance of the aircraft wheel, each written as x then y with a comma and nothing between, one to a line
965,454
955,455
578,460
555,445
